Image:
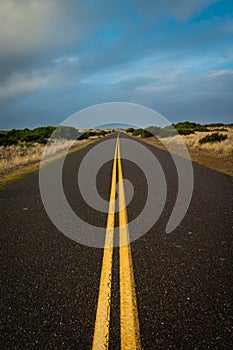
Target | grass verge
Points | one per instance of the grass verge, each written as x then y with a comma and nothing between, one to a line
217,156
16,162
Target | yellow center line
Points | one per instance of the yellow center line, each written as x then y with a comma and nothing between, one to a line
129,323
101,331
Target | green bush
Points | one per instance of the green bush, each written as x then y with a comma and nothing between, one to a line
15,137
185,131
191,126
137,132
100,133
130,130
66,132
215,137
167,131
142,132
146,133
155,130
4,141
215,124
85,135
185,125
201,128
42,135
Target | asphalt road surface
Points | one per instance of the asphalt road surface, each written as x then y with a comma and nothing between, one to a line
164,291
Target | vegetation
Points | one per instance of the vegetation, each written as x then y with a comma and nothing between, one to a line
87,134
22,149
42,134
146,133
167,131
15,158
220,129
66,133
217,155
153,131
215,125
131,130
14,137
182,128
211,138
185,131
187,128
191,126
137,132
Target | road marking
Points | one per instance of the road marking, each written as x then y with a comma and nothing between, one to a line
102,322
129,323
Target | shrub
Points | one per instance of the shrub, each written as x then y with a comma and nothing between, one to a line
215,124
130,130
142,132
185,125
185,131
66,133
215,137
137,132
100,133
201,128
146,133
14,137
191,126
4,141
167,131
155,130
85,135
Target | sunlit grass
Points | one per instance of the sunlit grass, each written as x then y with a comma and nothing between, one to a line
14,157
223,149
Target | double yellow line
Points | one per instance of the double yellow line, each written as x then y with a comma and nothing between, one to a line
129,324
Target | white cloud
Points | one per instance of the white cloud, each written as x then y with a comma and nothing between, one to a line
219,73
66,60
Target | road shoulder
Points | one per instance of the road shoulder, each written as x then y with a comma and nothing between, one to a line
224,166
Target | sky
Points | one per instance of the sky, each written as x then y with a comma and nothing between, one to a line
58,57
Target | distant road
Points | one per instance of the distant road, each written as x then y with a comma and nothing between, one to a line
162,291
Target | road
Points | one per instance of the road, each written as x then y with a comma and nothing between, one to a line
162,291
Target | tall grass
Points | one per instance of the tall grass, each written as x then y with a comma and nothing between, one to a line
223,149
14,157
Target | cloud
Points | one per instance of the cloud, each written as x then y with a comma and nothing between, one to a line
25,25
179,9
19,85
219,73
59,56
183,9
67,60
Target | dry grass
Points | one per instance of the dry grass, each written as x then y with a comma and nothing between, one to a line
218,155
15,157
222,149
